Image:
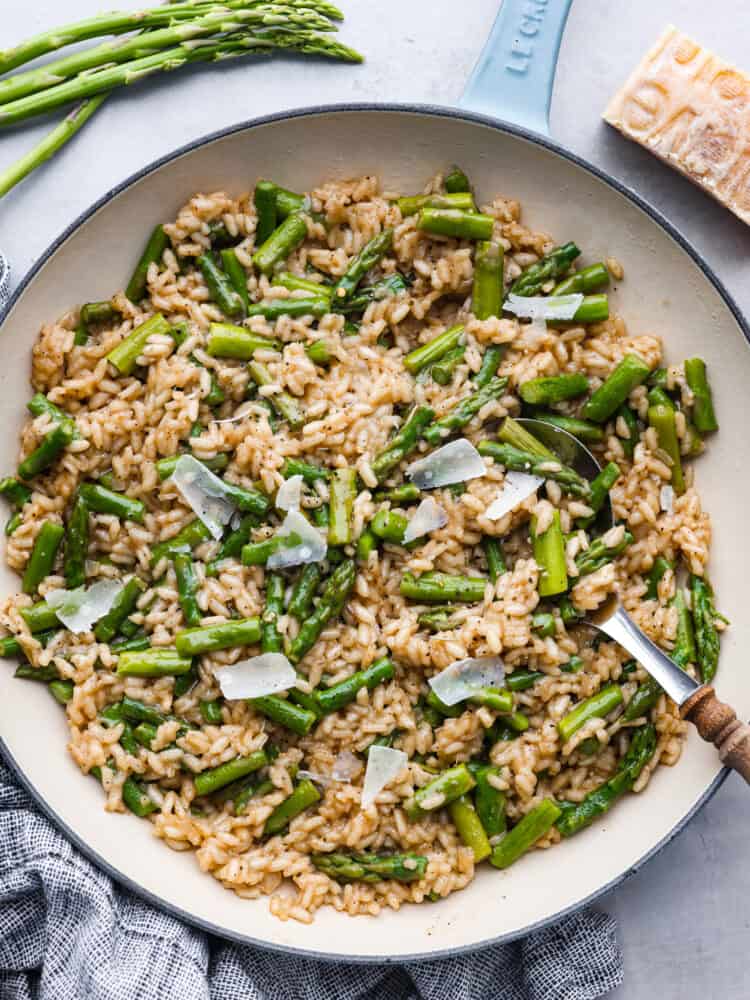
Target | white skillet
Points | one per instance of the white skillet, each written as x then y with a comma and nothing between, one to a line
669,289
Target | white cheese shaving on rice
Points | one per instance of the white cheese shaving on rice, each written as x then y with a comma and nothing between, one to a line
79,609
517,487
456,462
429,516
544,307
464,678
204,493
256,677
666,499
383,765
310,548
289,494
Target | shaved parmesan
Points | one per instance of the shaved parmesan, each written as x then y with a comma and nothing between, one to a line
345,767
383,765
268,673
78,609
518,486
289,494
666,499
204,493
309,548
545,307
429,516
464,678
455,462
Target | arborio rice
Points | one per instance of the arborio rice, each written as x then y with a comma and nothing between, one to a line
184,398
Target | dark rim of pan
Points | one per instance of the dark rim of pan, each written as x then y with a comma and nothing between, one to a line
435,112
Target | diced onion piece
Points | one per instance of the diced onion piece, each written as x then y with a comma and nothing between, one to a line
546,307
455,462
383,765
429,516
268,673
666,499
464,678
204,493
79,609
289,494
310,548
518,486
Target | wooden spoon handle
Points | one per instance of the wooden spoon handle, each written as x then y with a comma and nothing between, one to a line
718,724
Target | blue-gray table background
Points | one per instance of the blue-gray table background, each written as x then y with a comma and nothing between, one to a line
684,918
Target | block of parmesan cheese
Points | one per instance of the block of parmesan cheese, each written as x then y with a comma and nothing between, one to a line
692,110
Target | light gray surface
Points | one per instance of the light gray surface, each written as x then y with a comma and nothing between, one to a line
684,918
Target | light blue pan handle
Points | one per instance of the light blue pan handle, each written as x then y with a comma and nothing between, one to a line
513,77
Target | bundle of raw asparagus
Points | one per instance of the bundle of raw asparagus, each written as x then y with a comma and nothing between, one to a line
148,41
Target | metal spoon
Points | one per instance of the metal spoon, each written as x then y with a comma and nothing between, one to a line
716,722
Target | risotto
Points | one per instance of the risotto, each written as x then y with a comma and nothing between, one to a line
310,590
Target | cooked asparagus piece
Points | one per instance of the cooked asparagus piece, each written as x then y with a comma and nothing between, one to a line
442,588
304,795
212,780
525,833
576,816
209,638
225,340
704,416
166,466
367,866
447,786
662,418
456,181
554,265
188,537
161,662
464,411
487,295
488,800
469,827
454,222
370,255
187,588
600,487
515,434
76,544
272,309
584,430
491,361
613,392
442,371
593,309
520,680
335,595
549,555
366,545
548,468
158,242
435,349
411,204
583,282
598,554
660,567
644,698
547,390
124,604
271,640
407,493
282,241
285,405
493,553
104,501
285,713
310,473
303,594
333,698
42,558
705,617
390,285
53,443
137,799
343,491
14,492
125,356
403,442
599,705
237,276
219,286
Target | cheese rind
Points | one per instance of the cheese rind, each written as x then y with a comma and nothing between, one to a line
692,110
